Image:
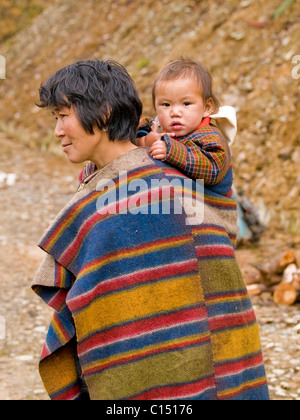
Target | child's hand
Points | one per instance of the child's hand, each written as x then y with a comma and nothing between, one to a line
151,138
159,150
154,136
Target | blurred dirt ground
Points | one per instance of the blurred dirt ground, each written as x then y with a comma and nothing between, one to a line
43,185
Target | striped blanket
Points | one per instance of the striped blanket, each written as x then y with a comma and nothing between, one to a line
147,304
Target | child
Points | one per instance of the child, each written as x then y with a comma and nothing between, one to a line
182,133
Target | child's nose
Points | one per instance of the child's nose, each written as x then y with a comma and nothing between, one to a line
176,111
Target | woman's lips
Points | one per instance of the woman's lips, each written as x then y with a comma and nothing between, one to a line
66,147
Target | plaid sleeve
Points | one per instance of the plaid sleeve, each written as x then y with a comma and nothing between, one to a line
201,155
144,128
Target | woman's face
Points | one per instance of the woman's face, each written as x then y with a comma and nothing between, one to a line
78,145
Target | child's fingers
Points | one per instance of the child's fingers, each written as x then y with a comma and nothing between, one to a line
158,154
169,134
154,127
159,157
158,150
158,145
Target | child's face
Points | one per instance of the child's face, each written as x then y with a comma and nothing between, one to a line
180,107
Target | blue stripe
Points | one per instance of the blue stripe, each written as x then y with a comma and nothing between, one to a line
228,308
236,380
147,340
152,355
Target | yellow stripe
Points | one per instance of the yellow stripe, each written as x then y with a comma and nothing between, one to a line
143,301
239,388
135,376
58,332
236,343
58,371
62,277
237,298
205,232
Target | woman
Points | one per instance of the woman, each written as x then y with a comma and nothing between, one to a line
149,301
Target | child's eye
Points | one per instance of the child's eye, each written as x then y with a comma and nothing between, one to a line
187,103
165,104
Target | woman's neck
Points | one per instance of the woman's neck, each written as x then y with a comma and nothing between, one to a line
112,150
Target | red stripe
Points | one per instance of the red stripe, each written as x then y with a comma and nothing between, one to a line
238,366
70,394
177,391
58,275
58,300
60,328
72,250
142,326
214,251
45,352
231,321
71,212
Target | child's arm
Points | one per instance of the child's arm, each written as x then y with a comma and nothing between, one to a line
202,155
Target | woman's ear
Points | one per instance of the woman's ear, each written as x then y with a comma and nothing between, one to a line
209,107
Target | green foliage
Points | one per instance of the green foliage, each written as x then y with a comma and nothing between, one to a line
283,7
143,62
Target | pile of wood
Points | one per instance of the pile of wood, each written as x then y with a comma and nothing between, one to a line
279,276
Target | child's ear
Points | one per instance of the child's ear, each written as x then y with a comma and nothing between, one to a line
209,107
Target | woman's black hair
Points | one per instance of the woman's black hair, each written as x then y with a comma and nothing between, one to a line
102,94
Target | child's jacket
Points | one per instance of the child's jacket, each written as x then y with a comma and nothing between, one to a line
203,154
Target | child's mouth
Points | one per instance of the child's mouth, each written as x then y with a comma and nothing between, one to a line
177,126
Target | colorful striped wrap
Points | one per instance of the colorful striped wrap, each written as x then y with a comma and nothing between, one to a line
151,306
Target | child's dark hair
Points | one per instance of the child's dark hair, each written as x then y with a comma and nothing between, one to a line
102,94
184,68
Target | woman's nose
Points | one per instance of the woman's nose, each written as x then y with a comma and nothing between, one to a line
58,132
